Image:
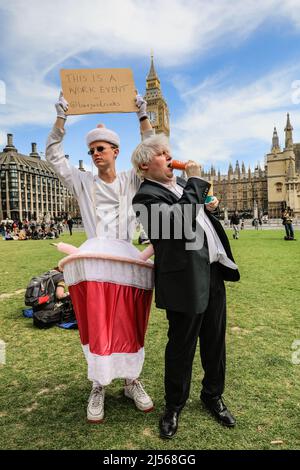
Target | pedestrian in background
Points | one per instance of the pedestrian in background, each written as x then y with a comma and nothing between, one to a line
70,225
287,221
235,224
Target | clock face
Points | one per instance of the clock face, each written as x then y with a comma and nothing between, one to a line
152,116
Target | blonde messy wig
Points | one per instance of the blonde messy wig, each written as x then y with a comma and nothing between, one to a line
147,149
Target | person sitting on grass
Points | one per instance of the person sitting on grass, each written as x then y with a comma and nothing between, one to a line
22,235
8,235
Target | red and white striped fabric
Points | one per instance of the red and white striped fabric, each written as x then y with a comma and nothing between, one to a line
111,290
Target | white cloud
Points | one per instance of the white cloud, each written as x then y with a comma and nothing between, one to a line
2,92
291,9
220,124
46,33
2,138
40,36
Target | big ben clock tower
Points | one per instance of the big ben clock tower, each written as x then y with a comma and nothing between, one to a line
157,107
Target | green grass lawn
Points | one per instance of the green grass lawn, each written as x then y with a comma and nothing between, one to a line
44,389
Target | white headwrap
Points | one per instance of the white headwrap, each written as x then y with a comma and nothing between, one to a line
101,133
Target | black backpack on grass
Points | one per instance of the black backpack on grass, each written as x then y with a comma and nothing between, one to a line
40,295
41,289
56,313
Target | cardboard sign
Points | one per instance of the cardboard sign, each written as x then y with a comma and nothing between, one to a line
99,90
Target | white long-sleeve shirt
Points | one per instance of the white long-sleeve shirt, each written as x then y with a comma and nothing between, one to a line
106,208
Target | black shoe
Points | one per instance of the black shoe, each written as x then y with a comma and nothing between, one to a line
220,411
168,424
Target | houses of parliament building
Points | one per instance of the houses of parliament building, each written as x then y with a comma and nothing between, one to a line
30,189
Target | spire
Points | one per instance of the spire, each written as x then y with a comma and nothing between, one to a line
153,90
288,133
243,168
152,75
275,141
230,169
288,123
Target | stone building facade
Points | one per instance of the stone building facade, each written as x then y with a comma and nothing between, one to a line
240,189
30,189
284,174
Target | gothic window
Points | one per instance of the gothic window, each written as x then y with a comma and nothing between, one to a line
278,187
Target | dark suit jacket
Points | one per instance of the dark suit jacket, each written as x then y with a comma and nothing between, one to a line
182,277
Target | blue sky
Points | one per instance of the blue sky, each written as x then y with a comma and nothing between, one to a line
227,70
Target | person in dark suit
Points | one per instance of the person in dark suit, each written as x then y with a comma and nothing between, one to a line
70,224
192,260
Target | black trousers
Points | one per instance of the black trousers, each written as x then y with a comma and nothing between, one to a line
184,331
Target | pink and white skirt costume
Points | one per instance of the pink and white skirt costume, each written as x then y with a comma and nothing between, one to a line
111,284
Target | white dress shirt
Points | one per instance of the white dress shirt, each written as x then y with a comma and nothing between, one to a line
216,250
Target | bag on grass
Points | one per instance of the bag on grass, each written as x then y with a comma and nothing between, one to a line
57,313
47,310
67,313
46,317
40,295
72,325
28,312
41,289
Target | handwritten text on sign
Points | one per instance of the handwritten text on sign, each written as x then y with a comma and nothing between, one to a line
99,90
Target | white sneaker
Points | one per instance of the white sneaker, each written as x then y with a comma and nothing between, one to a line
136,392
95,409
